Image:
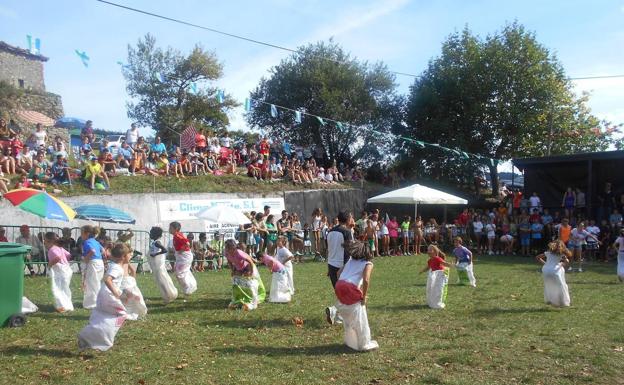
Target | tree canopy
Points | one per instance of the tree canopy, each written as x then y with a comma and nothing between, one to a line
170,90
323,80
500,97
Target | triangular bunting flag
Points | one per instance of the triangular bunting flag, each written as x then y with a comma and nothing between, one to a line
339,125
29,42
273,111
220,96
247,104
298,117
320,120
83,57
420,144
37,46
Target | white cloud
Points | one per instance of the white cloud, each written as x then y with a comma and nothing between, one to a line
239,81
8,13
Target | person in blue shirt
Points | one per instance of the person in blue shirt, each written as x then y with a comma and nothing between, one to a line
125,158
93,266
158,147
536,235
59,171
524,230
286,148
463,262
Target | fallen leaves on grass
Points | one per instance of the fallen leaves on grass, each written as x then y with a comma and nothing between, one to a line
181,366
298,321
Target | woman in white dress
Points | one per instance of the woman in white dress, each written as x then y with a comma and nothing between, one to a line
555,286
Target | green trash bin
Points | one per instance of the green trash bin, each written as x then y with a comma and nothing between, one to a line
12,257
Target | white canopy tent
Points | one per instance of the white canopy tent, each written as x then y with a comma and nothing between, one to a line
417,194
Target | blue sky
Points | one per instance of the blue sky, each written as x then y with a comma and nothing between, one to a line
588,37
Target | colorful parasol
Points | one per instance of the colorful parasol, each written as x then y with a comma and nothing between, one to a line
41,204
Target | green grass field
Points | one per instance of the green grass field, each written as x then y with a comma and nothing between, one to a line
497,333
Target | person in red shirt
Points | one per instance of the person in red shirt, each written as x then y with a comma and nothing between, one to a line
264,148
437,278
200,142
184,259
517,197
3,237
253,171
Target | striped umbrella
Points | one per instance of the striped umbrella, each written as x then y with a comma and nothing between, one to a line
101,213
41,204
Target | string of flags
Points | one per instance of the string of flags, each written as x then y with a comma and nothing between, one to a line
34,46
274,111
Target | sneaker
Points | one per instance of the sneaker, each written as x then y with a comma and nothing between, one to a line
580,270
570,268
330,314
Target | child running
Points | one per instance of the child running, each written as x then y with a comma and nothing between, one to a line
619,244
285,257
463,263
131,296
92,266
157,262
555,286
60,273
184,259
247,287
437,278
110,313
352,293
280,291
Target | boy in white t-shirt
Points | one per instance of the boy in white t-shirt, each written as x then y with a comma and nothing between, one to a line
490,229
592,244
477,227
535,203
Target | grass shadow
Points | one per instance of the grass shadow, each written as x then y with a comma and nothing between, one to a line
260,323
180,306
68,316
288,351
399,307
501,311
26,351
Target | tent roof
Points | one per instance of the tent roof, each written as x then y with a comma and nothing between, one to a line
35,117
418,194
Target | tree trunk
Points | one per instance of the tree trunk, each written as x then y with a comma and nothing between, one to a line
494,180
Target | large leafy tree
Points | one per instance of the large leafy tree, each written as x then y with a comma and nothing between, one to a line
322,79
171,90
500,97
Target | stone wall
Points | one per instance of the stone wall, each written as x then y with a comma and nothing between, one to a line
14,68
46,103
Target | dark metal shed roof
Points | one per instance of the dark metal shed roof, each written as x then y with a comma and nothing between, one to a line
522,163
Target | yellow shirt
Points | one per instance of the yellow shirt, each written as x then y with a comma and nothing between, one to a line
93,169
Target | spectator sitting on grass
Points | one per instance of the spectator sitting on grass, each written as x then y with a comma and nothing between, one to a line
125,158
159,147
60,171
108,163
94,174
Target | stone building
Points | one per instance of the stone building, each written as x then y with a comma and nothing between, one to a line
24,70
